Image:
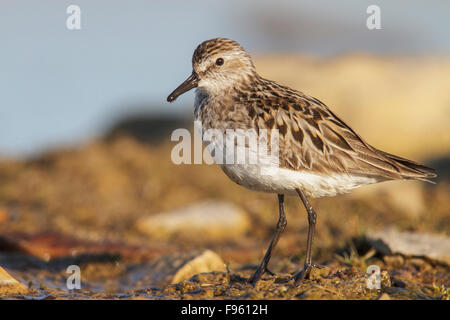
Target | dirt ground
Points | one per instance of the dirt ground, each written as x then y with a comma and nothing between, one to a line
81,206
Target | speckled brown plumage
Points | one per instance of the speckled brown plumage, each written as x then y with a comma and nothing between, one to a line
312,137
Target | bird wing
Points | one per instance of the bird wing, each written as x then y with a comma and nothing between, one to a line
312,137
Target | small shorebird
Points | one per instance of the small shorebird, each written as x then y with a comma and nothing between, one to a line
319,154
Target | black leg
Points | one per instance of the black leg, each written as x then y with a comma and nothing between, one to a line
312,216
281,225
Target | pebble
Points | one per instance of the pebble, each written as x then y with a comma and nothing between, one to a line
9,286
206,220
178,267
384,296
389,241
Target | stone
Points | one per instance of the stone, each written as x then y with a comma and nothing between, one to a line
206,220
178,267
384,296
10,286
208,261
390,241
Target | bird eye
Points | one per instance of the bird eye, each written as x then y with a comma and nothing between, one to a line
219,62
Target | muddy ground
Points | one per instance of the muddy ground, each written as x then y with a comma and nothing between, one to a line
82,206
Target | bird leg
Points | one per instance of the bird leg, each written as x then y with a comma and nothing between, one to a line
281,225
312,216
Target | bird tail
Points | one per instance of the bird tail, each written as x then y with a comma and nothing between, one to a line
409,169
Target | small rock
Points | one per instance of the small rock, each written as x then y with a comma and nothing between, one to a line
205,220
10,286
384,296
389,241
178,267
206,262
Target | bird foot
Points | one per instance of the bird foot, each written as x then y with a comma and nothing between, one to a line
272,274
305,273
259,273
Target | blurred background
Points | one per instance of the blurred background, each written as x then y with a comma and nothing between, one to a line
85,130
63,86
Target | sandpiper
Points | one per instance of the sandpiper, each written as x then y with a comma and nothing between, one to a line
319,154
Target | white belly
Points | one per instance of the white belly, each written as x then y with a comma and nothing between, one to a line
285,181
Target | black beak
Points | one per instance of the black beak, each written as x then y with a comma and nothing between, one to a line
187,85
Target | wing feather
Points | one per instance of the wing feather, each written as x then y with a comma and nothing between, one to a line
312,137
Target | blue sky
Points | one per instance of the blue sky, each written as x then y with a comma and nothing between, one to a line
62,87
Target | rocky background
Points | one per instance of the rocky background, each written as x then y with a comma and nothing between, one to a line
139,226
